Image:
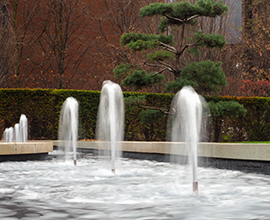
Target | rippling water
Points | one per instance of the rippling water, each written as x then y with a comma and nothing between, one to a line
140,190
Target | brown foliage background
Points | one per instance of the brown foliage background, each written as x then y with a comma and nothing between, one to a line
75,44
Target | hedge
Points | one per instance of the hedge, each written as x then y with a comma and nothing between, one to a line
254,126
42,108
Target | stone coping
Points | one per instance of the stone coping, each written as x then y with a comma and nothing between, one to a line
30,147
237,151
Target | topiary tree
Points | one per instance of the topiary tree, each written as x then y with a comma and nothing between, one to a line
167,52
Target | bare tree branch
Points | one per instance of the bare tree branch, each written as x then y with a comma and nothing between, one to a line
168,47
159,72
176,19
167,65
194,16
185,47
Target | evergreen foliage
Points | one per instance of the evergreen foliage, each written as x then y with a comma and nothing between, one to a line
205,81
165,54
220,109
42,108
209,40
231,109
139,78
179,13
160,49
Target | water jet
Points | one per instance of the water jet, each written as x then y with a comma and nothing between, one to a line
185,125
8,134
19,133
68,127
23,128
110,121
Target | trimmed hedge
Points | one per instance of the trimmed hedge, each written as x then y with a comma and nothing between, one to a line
254,126
42,108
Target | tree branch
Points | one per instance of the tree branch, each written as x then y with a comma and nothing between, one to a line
176,19
180,20
155,65
162,64
185,47
166,65
159,72
194,16
171,49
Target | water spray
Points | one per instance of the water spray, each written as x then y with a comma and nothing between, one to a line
68,126
186,117
110,122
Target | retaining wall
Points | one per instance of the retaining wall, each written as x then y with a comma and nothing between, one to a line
244,157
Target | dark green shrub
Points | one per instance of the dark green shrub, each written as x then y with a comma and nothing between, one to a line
42,108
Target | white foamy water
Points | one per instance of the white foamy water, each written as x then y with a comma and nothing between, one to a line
56,189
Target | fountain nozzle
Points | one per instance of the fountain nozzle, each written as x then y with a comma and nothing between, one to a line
195,187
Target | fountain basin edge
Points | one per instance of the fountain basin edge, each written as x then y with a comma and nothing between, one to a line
233,156
22,151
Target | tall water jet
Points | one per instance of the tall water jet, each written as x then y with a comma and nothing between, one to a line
110,121
185,125
68,126
23,128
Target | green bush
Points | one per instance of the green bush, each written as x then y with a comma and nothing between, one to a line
253,126
42,108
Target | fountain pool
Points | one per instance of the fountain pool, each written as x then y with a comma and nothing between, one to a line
56,189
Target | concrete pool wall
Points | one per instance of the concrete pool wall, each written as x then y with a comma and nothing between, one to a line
234,156
31,150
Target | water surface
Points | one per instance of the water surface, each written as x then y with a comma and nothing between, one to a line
140,189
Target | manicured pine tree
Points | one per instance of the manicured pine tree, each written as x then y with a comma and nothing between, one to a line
167,52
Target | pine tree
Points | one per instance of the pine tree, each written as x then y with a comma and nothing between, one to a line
167,52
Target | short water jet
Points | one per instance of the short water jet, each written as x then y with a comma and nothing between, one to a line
19,133
68,126
8,134
110,121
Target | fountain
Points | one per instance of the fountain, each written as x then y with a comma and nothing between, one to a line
68,126
23,134
110,121
185,125
8,134
19,133
141,190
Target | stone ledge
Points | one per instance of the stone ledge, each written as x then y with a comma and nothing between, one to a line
257,152
31,147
